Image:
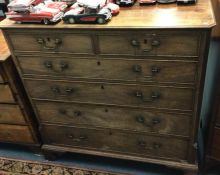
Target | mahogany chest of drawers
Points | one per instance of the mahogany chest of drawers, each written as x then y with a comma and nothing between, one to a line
129,89
15,116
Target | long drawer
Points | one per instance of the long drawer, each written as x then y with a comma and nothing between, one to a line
11,114
117,43
118,94
6,94
113,117
15,133
114,141
110,69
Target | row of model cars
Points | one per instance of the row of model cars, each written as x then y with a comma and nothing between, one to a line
71,11
48,11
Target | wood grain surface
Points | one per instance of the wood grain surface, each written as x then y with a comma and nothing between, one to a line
158,16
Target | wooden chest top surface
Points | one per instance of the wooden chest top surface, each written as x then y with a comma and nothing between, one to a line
158,16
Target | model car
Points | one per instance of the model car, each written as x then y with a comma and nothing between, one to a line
93,4
22,5
47,12
113,7
87,15
185,2
166,1
124,2
147,2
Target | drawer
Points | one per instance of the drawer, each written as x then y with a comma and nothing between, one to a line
11,114
172,44
215,150
118,94
113,117
114,141
52,42
15,133
6,94
111,69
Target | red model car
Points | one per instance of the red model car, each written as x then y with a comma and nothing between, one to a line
113,7
47,12
22,5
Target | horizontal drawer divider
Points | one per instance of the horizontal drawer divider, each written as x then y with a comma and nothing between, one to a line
101,80
127,106
118,129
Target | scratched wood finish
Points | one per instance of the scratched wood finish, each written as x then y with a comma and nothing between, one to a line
159,16
1,79
110,69
111,140
113,117
6,94
11,114
15,133
118,94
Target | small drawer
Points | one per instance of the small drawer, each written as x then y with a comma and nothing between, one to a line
50,41
116,141
6,94
15,133
109,93
113,117
110,69
215,150
11,114
173,44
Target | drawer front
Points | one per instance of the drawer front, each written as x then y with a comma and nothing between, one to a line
15,133
11,114
150,44
109,140
111,69
215,150
52,42
6,94
119,94
113,117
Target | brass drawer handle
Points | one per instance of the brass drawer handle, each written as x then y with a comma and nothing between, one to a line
77,139
74,114
154,70
67,91
135,43
154,96
63,66
153,122
151,146
48,43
